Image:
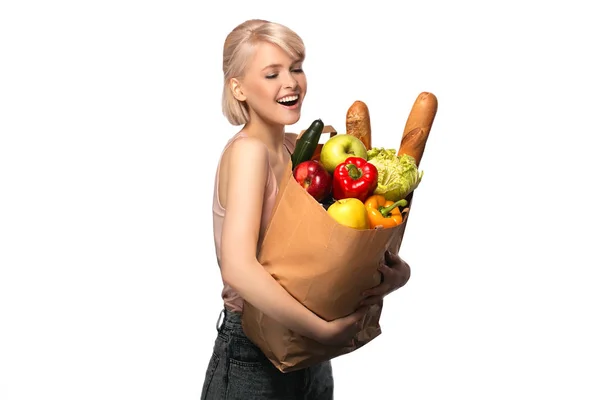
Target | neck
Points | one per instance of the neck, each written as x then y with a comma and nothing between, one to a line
270,134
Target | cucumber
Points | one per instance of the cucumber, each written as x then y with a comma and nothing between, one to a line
307,143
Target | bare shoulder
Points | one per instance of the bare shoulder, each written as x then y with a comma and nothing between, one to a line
247,150
244,169
247,157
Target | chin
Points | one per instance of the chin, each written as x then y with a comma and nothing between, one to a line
290,117
286,118
292,120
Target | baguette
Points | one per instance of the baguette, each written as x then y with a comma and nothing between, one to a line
418,126
358,122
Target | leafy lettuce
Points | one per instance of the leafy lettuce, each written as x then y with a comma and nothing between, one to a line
398,176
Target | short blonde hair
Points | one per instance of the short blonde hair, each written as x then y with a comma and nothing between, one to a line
237,51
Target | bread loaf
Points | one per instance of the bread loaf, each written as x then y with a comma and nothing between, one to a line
358,122
418,126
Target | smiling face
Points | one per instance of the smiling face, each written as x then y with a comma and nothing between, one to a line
273,86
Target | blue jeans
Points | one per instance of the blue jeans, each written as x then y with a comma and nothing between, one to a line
239,370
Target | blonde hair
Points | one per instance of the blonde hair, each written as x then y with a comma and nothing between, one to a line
237,51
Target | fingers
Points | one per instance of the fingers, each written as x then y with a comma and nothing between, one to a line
405,275
380,290
391,258
395,261
354,321
386,271
359,314
357,319
403,272
351,327
395,273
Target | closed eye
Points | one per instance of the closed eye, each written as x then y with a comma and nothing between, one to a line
275,75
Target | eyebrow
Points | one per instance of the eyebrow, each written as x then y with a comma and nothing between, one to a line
279,65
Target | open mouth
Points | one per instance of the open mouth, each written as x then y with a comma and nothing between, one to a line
289,101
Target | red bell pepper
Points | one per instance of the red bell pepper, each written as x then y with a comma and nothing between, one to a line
355,177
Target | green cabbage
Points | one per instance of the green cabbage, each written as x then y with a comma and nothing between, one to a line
398,176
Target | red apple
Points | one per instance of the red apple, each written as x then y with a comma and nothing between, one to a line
313,177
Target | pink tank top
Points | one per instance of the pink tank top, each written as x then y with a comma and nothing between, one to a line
232,300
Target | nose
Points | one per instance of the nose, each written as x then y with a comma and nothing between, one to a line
291,82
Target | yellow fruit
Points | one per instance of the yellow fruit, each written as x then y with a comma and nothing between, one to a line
350,212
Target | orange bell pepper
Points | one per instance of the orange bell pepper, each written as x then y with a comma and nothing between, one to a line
384,212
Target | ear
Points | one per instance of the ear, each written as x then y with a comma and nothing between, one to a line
236,89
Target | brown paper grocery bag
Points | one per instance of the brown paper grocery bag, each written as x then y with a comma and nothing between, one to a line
325,266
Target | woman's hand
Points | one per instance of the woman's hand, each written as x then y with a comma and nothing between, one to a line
395,271
342,331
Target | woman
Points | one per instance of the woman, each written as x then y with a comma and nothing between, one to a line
264,87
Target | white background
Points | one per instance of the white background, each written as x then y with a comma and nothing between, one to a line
111,128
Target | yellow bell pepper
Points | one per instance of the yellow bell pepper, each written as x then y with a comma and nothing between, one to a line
384,212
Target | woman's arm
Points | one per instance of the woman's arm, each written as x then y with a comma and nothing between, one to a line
247,174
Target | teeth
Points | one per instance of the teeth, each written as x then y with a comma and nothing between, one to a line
288,98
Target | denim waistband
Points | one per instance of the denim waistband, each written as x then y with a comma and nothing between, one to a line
229,319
